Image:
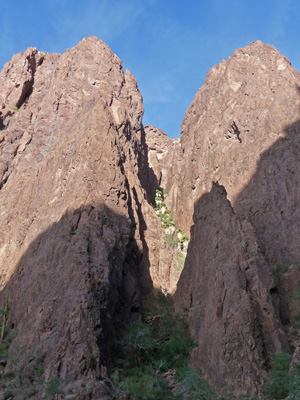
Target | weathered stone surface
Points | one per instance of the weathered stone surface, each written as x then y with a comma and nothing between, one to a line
287,283
158,145
228,295
270,201
242,130
81,249
165,158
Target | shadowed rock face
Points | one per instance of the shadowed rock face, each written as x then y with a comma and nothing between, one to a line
242,130
74,290
228,296
76,138
243,108
81,248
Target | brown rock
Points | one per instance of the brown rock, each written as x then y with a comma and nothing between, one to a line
229,298
248,105
165,156
158,144
287,283
80,247
242,131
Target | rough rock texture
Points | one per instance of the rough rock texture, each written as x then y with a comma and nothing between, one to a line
165,157
287,283
242,130
158,144
80,246
229,298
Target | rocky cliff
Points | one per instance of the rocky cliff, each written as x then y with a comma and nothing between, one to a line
228,295
81,247
247,108
82,250
242,131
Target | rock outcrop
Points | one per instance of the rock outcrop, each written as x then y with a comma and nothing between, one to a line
247,104
242,131
81,248
228,296
165,158
82,251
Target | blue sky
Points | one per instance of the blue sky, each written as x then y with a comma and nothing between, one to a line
168,45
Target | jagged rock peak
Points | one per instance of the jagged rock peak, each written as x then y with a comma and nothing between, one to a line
246,104
164,156
77,233
157,139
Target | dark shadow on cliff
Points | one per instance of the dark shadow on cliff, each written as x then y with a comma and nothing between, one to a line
225,292
146,174
226,286
75,289
271,200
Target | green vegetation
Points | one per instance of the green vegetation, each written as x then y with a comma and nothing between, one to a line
278,379
153,360
52,387
185,238
283,381
173,243
180,240
294,384
280,269
21,382
181,260
163,214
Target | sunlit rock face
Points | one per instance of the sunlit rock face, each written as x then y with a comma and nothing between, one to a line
82,251
242,131
81,248
243,122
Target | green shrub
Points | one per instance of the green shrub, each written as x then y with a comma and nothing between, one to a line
8,376
280,269
146,387
39,371
29,392
181,260
192,386
7,394
295,383
278,378
52,386
172,242
3,350
185,238
148,351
